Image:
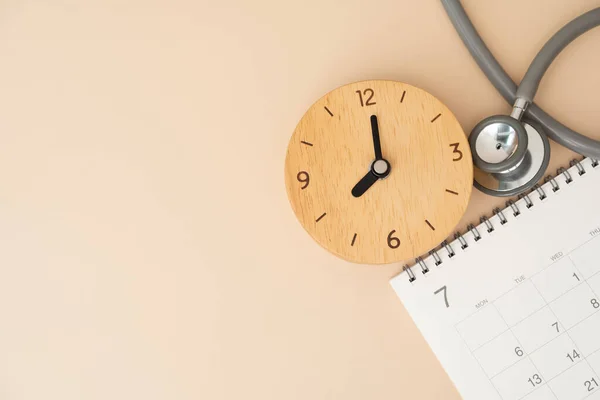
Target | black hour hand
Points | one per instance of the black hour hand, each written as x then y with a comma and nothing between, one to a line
364,184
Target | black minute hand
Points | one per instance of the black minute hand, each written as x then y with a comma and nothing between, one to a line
376,141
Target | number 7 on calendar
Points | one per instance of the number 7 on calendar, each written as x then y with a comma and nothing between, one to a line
443,290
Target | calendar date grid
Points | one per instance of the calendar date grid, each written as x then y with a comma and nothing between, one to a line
597,274
542,333
529,315
541,347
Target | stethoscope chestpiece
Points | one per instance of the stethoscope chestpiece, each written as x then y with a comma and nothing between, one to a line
510,156
498,143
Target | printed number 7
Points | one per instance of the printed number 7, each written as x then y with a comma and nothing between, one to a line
443,289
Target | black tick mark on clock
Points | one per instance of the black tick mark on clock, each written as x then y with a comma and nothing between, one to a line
436,117
329,112
353,240
431,226
321,217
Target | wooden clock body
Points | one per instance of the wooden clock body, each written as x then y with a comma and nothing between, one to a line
401,216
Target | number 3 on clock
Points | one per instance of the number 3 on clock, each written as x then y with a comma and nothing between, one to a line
458,155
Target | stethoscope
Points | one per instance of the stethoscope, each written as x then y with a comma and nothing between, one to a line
511,152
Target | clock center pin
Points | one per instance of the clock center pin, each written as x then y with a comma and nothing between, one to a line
381,168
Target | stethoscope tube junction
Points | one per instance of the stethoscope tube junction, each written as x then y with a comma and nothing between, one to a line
511,153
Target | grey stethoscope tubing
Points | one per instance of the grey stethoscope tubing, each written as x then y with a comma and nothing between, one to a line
522,97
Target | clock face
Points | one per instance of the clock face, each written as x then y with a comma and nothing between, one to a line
378,172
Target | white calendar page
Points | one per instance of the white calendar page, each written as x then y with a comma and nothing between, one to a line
516,314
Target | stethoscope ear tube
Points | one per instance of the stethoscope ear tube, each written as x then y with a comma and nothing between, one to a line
508,89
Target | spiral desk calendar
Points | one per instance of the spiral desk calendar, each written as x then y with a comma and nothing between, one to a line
511,307
511,207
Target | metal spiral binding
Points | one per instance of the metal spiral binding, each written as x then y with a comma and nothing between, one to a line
514,207
580,168
488,224
540,191
448,248
555,187
528,202
422,264
437,260
568,178
461,240
411,275
472,229
500,215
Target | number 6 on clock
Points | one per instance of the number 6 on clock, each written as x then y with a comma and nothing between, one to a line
445,291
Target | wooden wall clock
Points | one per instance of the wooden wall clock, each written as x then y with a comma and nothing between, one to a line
378,172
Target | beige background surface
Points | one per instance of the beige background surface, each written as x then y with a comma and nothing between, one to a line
147,247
